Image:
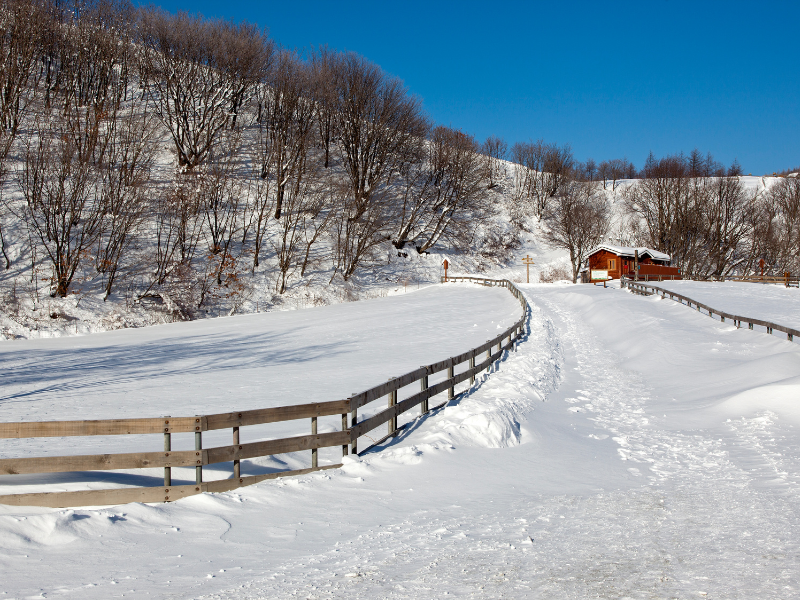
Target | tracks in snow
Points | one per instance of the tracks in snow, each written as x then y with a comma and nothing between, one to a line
693,523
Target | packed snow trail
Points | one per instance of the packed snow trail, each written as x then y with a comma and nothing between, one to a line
630,448
671,516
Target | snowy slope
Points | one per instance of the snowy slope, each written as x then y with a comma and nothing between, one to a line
630,448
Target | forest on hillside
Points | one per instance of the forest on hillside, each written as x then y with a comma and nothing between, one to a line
174,156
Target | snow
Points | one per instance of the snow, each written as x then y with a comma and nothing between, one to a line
235,363
630,448
630,251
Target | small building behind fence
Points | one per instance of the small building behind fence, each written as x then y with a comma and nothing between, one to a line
614,262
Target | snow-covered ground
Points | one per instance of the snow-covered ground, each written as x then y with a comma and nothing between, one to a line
775,303
236,363
631,448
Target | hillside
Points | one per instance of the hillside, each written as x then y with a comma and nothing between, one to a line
158,168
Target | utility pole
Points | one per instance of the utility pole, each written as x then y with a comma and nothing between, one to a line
528,262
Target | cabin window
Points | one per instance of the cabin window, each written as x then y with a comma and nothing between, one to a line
612,264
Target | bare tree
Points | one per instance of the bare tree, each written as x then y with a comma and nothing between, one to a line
578,221
445,194
616,169
20,22
783,201
324,64
285,137
178,227
379,125
660,200
124,178
58,182
696,213
495,150
286,128
544,168
198,73
726,220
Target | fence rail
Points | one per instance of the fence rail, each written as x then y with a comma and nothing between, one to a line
648,290
347,438
787,280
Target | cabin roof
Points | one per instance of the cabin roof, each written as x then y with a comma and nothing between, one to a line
630,252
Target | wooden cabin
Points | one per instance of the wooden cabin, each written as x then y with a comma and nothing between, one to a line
613,262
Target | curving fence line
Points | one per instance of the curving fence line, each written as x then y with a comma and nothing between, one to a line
476,360
648,290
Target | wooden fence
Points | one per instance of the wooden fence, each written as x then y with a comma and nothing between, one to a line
478,359
638,287
788,279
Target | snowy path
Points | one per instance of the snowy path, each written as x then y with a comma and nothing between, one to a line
688,521
631,448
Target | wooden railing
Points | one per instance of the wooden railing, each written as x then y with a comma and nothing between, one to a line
638,287
347,438
788,280
654,277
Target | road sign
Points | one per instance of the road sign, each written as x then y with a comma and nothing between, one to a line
528,262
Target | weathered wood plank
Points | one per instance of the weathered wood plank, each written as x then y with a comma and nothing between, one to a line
105,427
280,446
101,462
277,414
384,416
142,494
171,424
374,393
102,497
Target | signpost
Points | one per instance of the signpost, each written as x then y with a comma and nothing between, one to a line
445,264
528,262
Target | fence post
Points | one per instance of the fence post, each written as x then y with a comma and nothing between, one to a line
423,385
313,450
472,366
344,428
236,467
392,423
167,449
198,446
451,391
488,356
353,421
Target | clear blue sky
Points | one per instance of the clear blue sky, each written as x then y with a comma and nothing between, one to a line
612,79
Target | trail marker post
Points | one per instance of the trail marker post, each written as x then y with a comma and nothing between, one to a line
528,262
445,264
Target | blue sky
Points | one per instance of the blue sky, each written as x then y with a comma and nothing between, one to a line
613,79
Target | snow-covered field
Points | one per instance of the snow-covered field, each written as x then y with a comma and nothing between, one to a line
228,364
631,448
775,303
